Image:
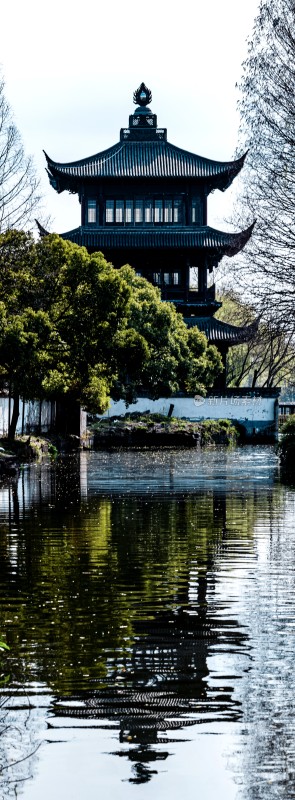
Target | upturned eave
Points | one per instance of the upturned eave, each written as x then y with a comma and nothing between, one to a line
150,160
216,243
218,332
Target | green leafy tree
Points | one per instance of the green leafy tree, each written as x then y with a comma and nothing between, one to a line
24,356
178,359
72,325
27,336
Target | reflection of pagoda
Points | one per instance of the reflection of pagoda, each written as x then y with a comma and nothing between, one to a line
159,688
144,202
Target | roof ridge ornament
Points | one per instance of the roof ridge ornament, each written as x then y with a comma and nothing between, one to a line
142,96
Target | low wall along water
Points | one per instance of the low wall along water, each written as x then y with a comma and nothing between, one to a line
35,416
256,411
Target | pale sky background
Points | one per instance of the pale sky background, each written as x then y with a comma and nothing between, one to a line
71,69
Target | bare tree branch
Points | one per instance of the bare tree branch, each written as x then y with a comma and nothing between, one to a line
266,268
268,358
19,186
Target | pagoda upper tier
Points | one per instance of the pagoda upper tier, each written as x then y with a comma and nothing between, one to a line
143,153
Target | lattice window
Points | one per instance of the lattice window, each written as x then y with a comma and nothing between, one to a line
129,211
196,212
91,211
168,211
158,211
141,211
148,211
177,210
119,211
110,211
138,211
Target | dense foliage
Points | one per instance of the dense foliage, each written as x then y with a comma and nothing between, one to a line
288,427
287,448
71,324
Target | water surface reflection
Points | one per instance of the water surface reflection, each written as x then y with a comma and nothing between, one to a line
131,588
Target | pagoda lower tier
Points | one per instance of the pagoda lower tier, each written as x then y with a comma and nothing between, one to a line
140,242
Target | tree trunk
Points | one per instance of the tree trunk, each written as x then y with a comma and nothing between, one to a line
68,416
255,374
14,418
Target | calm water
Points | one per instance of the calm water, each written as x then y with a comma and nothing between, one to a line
148,600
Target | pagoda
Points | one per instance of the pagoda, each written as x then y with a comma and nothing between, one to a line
144,202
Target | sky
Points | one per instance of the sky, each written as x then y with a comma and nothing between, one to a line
71,68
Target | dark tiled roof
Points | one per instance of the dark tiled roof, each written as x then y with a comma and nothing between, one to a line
167,237
155,159
217,331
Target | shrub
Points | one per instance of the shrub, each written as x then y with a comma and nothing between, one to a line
288,427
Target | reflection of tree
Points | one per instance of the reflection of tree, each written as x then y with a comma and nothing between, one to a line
19,730
266,759
106,564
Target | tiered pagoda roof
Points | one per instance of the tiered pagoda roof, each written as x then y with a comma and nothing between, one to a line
209,240
206,238
142,159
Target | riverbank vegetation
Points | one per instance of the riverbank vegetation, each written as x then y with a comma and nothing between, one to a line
132,430
22,450
287,448
157,430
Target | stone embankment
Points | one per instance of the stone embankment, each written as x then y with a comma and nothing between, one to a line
8,464
20,451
